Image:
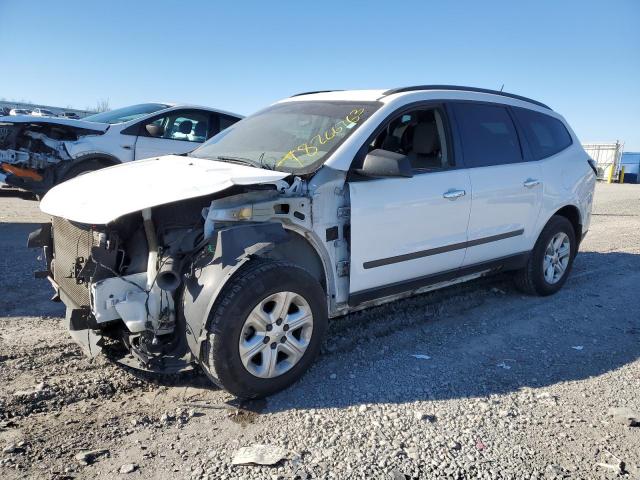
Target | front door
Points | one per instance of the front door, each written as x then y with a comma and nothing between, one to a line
403,229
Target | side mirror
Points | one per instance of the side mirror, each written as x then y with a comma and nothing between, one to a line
381,163
154,130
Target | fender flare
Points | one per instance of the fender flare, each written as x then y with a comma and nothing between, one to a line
212,270
571,211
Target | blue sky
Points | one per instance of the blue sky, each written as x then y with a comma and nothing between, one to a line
580,57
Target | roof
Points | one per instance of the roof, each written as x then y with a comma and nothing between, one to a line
188,105
381,95
344,95
464,89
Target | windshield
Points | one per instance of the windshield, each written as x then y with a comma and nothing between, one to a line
120,115
293,136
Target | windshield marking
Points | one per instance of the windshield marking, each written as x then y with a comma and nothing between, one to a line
310,150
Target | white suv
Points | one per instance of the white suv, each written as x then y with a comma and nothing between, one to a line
42,112
38,153
234,256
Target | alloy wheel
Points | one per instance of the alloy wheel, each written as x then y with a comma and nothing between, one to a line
556,258
276,334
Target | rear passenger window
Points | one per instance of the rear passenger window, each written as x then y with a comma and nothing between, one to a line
546,135
488,135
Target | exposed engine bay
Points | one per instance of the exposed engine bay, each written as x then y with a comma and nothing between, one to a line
126,274
38,144
29,148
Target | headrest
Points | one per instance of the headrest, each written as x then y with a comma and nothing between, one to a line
201,129
390,143
185,127
425,138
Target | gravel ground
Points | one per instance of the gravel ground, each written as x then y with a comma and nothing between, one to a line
504,385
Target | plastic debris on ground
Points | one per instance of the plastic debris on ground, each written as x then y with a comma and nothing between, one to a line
259,455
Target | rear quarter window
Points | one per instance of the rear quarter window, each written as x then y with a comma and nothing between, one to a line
546,135
226,122
488,134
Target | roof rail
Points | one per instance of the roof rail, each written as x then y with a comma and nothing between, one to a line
316,91
465,89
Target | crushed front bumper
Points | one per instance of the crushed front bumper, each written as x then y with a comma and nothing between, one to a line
108,315
26,179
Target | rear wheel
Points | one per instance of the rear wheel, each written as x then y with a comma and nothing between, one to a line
265,328
551,259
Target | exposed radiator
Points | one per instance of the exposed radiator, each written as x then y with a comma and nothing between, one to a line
69,243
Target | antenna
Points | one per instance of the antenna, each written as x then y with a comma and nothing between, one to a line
502,87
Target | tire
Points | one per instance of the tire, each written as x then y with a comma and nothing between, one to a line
256,288
82,168
532,278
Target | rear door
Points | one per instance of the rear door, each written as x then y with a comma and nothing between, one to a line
506,189
176,132
406,229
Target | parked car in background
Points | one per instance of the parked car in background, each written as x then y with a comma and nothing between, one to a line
42,112
19,111
73,115
234,256
37,154
4,111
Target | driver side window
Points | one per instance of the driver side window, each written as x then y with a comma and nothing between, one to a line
182,126
420,135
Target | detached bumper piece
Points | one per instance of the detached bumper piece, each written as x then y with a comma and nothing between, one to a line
41,238
166,360
79,322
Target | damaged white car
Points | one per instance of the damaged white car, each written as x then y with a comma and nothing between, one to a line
232,258
37,153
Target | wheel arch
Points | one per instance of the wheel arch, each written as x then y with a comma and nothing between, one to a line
572,213
104,159
300,251
211,273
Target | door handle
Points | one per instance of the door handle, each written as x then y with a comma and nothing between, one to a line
531,182
453,194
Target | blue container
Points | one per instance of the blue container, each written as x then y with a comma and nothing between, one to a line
631,163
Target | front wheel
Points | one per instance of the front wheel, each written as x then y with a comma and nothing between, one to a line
265,328
551,259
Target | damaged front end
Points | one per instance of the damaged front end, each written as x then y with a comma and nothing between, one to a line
138,285
120,283
31,149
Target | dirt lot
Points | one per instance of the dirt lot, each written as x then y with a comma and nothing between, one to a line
504,386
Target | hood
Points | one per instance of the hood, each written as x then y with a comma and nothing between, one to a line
104,195
68,122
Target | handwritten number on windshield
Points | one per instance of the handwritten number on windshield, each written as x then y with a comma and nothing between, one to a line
310,149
